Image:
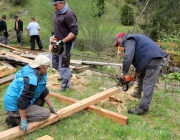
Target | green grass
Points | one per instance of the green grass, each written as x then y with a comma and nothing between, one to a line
161,123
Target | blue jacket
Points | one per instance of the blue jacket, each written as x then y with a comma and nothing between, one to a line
27,86
144,49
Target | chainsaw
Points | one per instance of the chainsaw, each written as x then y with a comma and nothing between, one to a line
125,83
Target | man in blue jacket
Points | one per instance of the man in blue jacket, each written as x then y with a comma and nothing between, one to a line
144,54
27,93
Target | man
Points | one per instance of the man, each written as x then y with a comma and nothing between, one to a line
4,36
146,57
18,27
26,95
33,30
65,30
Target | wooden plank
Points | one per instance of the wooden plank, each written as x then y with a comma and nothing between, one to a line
46,137
2,74
11,48
3,68
115,117
62,113
30,56
101,63
2,52
19,57
7,65
79,62
7,79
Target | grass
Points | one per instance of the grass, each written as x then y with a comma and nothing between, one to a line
161,123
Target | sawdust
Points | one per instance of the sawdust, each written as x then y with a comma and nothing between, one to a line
76,81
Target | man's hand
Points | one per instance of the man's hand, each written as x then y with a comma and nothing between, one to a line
60,43
122,76
53,110
24,125
134,76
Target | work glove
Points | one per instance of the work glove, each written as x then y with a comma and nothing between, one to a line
60,43
24,125
53,110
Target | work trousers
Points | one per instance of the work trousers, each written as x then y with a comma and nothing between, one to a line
32,41
4,40
64,72
34,113
18,35
148,80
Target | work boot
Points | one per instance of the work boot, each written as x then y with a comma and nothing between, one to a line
64,89
137,111
11,122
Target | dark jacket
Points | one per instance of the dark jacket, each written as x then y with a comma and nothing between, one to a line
4,28
64,23
20,25
139,51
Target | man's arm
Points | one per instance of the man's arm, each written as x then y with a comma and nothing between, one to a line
21,25
129,48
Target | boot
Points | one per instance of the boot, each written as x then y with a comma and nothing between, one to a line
11,122
137,111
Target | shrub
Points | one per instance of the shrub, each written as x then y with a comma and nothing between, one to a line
127,15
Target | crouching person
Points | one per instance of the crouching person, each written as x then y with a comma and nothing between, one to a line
26,95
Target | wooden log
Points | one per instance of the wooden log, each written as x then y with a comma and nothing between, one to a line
7,79
62,113
11,48
46,137
115,117
2,74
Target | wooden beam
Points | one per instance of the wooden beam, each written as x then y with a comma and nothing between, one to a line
2,74
62,113
101,63
46,137
7,79
11,48
19,57
116,117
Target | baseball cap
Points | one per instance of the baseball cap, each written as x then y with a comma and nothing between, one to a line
119,35
55,1
15,16
39,61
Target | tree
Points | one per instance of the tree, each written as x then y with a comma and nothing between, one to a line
127,15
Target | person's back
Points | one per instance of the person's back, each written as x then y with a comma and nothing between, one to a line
33,28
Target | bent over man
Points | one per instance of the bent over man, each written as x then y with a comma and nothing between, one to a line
65,30
146,57
26,95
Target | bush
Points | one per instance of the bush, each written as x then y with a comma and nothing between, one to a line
127,15
18,2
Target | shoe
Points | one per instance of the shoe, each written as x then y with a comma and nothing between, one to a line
42,49
137,111
64,89
11,122
59,79
136,95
